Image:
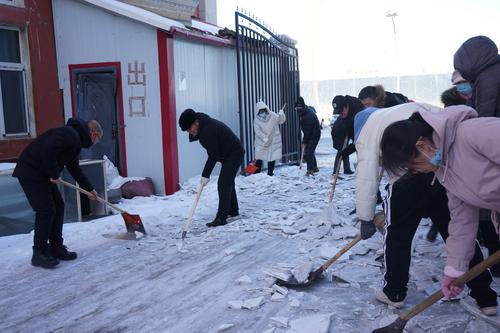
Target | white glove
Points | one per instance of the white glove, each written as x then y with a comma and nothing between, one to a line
204,181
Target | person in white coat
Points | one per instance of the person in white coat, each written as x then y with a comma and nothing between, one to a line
267,136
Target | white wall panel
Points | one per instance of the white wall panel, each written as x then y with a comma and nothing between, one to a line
206,81
87,34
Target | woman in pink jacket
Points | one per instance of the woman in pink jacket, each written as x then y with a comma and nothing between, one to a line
464,154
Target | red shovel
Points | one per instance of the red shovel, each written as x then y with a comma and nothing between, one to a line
132,222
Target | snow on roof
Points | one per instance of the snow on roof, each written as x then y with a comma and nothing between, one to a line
137,14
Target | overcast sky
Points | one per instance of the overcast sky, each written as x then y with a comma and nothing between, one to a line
345,39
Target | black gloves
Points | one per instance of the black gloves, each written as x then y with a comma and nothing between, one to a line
351,148
367,229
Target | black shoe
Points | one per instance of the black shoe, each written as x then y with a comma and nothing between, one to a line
235,214
270,174
348,172
40,259
62,253
315,170
217,222
432,234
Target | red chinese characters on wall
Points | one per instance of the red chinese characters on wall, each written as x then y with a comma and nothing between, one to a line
136,79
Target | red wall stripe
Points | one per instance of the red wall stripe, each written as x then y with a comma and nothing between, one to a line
168,113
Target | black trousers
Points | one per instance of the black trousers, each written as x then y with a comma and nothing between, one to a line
228,201
410,199
45,199
345,163
270,167
309,154
489,236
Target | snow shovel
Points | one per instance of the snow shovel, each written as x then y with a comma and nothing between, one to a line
302,155
329,209
399,324
315,275
191,213
132,222
336,176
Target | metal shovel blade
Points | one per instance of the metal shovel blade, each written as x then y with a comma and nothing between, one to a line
396,326
133,223
293,283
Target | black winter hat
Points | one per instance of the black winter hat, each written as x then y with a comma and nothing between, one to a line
300,103
186,119
338,104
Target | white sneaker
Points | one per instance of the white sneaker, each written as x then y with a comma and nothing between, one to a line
489,310
382,297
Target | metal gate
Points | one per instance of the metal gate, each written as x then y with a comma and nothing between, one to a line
268,69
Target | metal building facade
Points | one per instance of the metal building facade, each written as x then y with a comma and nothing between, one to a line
205,81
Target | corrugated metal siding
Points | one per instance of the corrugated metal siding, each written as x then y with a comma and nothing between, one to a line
210,87
87,34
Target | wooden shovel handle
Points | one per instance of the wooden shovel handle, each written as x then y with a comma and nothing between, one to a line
336,176
81,190
341,252
469,275
302,155
193,208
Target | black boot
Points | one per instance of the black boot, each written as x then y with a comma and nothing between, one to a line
62,253
217,222
432,234
43,259
348,172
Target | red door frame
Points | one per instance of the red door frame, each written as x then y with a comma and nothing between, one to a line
118,70
168,112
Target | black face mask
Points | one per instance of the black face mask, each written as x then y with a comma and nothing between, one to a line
193,138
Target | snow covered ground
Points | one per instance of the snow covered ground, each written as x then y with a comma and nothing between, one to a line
217,283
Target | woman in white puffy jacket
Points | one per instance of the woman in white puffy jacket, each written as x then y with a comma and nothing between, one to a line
267,136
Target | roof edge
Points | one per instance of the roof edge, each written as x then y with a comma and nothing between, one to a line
137,14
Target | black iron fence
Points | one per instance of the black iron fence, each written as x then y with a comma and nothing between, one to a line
268,70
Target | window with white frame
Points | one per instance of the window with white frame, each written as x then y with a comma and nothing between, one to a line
17,3
14,119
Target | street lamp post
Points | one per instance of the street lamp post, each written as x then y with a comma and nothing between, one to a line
393,14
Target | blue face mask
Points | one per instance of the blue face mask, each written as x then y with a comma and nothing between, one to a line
464,88
437,158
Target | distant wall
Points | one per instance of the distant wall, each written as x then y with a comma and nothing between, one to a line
421,88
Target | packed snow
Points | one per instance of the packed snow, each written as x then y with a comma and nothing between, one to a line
222,280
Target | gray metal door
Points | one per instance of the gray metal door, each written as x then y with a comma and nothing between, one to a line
95,97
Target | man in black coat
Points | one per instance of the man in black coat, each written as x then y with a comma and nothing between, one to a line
222,146
478,61
311,129
346,107
38,171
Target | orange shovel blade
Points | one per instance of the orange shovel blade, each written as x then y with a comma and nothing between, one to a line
133,223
